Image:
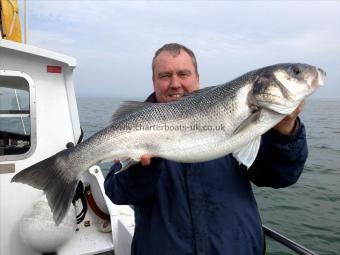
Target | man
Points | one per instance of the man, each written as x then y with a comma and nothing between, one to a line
208,207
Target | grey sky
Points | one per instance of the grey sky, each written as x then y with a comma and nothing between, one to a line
114,42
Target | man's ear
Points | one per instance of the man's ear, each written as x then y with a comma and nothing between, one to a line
198,77
153,82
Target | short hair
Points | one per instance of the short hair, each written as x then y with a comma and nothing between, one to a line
174,49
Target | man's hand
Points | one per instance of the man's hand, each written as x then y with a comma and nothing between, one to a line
145,159
286,126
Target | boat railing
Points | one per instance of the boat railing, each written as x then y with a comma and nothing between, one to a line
294,246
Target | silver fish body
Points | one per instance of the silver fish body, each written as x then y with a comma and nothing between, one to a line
201,126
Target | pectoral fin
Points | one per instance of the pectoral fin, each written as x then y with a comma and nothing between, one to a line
247,122
247,154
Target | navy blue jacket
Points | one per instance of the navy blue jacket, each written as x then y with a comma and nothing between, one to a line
209,207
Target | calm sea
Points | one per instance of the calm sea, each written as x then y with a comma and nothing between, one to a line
309,211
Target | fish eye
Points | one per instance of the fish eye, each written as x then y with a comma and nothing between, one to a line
296,70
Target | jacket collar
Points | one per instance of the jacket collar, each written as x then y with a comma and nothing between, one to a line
151,98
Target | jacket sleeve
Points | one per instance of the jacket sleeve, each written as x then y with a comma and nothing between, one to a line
280,159
133,186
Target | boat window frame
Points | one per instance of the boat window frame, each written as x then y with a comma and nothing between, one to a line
32,104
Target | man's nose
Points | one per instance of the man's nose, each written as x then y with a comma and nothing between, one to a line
175,82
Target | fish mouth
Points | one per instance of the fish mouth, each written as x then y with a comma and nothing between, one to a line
321,77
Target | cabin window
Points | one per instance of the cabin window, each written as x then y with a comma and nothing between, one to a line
15,117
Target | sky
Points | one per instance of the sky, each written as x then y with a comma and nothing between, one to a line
114,41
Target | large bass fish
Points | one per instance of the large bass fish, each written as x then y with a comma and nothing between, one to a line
203,125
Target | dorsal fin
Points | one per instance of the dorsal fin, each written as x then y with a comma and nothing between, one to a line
198,92
127,107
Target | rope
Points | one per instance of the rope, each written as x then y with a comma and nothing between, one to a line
94,206
79,194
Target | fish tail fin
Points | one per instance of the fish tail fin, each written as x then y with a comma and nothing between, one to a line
58,184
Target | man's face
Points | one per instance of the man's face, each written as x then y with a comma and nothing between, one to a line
174,76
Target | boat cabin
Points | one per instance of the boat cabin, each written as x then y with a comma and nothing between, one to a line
38,118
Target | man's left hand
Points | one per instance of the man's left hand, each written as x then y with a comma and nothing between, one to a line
286,126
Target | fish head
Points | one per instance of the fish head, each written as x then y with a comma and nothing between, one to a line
282,87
